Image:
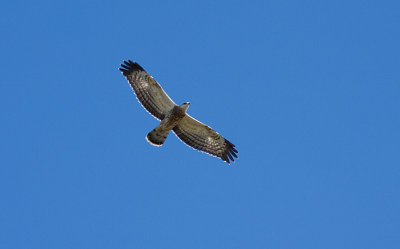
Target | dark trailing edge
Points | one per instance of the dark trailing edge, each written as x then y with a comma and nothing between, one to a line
129,67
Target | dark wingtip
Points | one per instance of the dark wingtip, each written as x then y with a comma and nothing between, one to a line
128,67
230,152
225,158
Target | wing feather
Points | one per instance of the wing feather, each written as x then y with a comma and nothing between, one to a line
202,137
149,93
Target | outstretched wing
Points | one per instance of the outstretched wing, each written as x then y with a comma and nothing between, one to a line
202,137
148,91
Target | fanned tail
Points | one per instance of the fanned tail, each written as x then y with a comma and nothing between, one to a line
157,137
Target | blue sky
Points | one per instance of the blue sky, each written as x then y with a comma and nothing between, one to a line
308,91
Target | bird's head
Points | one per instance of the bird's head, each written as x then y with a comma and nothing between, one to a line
185,106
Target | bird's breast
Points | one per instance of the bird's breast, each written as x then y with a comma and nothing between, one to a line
172,118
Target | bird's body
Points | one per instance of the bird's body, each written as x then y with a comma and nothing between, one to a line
173,117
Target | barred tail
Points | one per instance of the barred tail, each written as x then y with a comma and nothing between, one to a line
156,137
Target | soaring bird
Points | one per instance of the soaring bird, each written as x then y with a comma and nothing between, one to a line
174,117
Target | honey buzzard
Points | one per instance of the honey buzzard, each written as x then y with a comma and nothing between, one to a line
173,117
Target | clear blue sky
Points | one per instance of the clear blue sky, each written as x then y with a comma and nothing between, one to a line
308,91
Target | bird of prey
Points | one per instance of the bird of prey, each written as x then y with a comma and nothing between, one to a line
174,117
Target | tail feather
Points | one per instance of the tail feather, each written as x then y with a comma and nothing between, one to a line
156,137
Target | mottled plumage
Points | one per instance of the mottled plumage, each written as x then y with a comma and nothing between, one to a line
173,117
